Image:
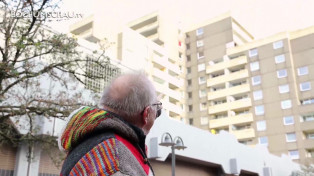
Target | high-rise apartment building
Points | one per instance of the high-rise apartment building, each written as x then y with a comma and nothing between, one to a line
261,91
141,50
258,90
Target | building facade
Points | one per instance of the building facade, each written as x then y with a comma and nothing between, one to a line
140,47
260,91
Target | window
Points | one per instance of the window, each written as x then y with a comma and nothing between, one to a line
261,125
199,43
191,121
201,80
200,55
263,140
190,108
259,110
303,71
294,154
291,137
199,31
282,73
254,66
202,93
307,101
278,44
305,86
188,70
256,80
308,118
253,52
280,58
190,94
203,106
310,136
204,120
286,104
201,67
189,82
288,120
284,88
258,95
188,58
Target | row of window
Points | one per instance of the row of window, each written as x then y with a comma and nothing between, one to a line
304,86
254,66
276,45
285,104
290,137
261,125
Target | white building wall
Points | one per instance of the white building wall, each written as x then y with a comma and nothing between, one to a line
218,149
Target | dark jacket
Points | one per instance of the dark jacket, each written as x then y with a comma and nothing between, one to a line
99,142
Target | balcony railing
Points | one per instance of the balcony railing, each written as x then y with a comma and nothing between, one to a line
239,119
229,91
228,77
243,103
244,134
226,64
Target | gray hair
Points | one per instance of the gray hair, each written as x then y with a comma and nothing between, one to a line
129,94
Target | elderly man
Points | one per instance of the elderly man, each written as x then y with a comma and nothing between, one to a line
111,140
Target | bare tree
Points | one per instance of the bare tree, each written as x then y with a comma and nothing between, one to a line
42,72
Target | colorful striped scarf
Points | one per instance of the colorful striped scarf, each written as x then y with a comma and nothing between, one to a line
81,123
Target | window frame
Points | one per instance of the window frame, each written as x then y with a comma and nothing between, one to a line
284,105
263,137
277,61
200,93
255,66
292,156
275,44
199,43
203,108
199,31
198,55
261,125
199,80
256,83
293,140
202,66
259,97
259,113
306,70
285,71
284,85
302,89
253,52
285,122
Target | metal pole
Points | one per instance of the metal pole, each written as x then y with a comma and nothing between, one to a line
173,161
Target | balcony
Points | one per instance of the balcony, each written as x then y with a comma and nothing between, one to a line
244,134
239,119
173,108
83,25
307,126
244,103
308,143
229,91
148,27
227,64
228,77
168,92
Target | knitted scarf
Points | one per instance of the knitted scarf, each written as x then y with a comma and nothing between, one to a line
81,123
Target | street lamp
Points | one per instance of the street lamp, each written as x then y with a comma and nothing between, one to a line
176,143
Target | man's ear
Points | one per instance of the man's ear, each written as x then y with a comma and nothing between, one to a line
145,115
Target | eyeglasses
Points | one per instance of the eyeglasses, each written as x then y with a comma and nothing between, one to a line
159,108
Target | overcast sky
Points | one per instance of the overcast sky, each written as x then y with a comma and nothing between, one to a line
260,17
